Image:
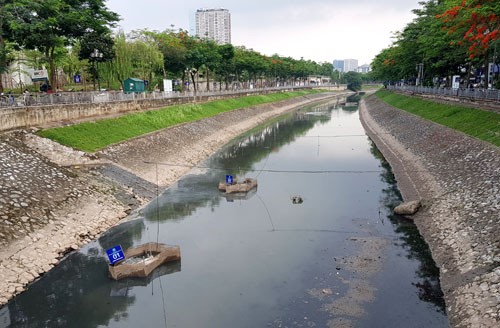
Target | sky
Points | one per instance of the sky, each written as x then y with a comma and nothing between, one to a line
319,30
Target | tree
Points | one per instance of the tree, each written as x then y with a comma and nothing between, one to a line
3,59
93,41
48,24
195,58
475,26
226,66
212,58
326,69
121,64
353,80
71,64
424,42
4,64
147,60
476,22
173,46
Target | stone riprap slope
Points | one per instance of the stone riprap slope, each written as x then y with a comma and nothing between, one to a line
30,188
46,210
458,180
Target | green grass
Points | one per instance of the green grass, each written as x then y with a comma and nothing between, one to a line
92,136
371,86
481,124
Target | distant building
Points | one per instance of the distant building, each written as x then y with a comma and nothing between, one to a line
21,74
364,68
338,65
214,24
350,65
345,65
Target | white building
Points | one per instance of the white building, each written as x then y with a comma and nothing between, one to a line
350,65
19,75
364,68
338,65
214,24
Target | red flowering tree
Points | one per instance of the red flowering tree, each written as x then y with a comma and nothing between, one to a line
475,22
475,25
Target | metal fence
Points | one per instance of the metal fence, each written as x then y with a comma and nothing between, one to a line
47,99
479,94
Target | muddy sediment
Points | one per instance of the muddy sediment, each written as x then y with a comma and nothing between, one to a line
457,178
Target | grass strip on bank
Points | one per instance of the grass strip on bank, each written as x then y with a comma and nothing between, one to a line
481,124
92,136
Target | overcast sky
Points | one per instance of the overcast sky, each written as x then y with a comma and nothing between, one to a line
320,30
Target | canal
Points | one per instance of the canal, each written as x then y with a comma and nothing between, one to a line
337,258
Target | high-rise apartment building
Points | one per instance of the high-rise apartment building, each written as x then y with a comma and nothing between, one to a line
214,24
364,68
338,65
345,65
350,65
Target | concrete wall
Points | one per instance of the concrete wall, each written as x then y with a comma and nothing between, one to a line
33,116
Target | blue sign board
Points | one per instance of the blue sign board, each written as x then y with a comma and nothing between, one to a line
115,254
77,78
229,179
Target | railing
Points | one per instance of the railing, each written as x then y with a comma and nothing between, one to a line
47,99
479,94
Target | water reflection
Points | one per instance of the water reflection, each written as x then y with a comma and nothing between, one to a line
429,288
258,259
197,189
79,293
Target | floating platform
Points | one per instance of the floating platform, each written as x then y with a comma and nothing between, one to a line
238,187
141,260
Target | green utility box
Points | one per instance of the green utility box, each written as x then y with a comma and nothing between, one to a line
133,85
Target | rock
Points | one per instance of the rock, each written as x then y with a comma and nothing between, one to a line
408,208
327,291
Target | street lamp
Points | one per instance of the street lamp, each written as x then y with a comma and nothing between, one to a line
420,74
96,55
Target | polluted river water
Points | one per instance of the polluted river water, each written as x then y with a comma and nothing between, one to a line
315,245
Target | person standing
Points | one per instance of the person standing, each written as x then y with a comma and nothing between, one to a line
26,96
11,98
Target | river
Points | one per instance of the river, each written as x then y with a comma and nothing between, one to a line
339,258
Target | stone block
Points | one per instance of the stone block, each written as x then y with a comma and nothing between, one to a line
408,208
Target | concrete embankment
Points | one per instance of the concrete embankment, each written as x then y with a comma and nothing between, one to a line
458,180
78,106
54,199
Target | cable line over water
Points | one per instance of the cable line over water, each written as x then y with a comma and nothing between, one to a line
262,170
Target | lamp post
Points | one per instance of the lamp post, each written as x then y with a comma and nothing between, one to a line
420,74
96,55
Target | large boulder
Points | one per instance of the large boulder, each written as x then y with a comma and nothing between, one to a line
408,208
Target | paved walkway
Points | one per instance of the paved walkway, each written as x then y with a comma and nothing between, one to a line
458,179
